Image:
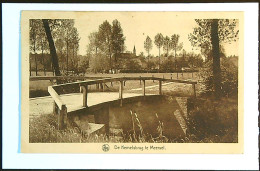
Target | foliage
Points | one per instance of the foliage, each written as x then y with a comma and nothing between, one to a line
132,65
229,78
168,66
150,65
66,40
148,45
194,60
99,63
175,45
158,41
107,41
201,36
118,39
167,45
209,35
213,121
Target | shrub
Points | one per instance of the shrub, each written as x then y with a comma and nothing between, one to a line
229,78
216,121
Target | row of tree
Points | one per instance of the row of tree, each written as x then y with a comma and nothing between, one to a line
168,44
65,37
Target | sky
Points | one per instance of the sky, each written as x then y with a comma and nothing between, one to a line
137,25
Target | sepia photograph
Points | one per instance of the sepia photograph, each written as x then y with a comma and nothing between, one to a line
136,86
131,82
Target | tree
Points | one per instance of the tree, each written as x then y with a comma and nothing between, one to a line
158,41
65,31
213,32
104,36
60,46
148,45
54,56
75,47
166,45
118,40
34,31
176,46
94,44
43,45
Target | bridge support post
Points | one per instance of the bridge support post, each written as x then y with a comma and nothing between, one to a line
194,90
160,87
84,90
62,118
144,88
121,93
55,108
101,86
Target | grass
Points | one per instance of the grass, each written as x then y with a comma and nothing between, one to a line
43,129
214,120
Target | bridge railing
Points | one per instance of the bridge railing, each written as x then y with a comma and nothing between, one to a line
56,90
35,78
58,108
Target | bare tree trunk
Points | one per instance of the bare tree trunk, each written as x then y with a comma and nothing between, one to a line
53,53
216,59
176,64
30,66
159,58
35,59
110,59
67,59
73,59
43,62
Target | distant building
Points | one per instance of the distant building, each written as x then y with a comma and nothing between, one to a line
134,51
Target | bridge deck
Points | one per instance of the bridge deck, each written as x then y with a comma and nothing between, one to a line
44,105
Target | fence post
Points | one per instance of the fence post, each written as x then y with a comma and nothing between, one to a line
84,90
153,79
194,89
160,87
140,80
121,92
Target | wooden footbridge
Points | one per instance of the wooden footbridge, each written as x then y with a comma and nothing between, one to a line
61,108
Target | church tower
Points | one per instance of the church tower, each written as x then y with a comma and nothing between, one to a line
134,51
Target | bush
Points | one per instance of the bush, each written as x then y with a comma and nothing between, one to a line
216,121
229,78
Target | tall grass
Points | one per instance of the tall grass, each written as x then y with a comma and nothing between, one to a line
44,129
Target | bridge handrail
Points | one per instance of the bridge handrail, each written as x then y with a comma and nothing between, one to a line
104,80
35,78
56,98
